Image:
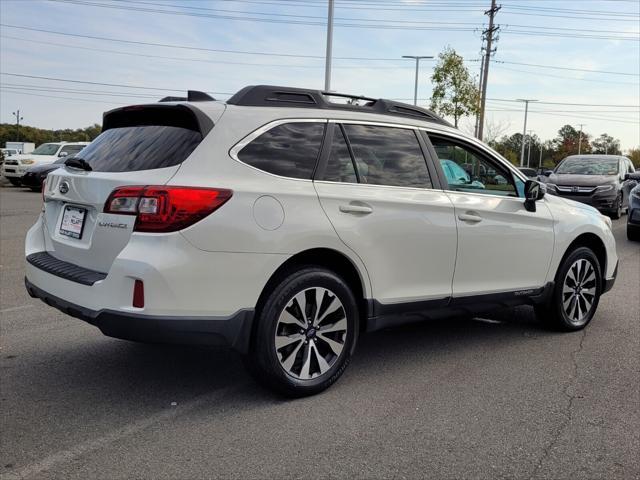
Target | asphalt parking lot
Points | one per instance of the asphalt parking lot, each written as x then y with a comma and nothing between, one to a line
497,397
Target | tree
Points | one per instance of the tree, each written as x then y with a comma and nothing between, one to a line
606,144
566,143
634,155
454,93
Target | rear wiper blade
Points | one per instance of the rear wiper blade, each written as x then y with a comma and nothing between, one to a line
77,162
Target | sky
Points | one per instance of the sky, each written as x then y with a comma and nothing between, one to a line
582,57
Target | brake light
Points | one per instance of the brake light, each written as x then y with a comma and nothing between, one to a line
161,209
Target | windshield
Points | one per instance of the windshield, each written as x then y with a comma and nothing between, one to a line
589,166
46,149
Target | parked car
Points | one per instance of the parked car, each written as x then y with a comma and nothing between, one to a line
529,172
35,175
15,167
286,225
597,180
633,218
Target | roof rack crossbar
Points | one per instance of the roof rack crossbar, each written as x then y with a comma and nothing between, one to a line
274,96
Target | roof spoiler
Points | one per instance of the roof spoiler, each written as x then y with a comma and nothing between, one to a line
192,96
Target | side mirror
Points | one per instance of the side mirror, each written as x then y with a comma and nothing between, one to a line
63,154
533,191
546,173
632,176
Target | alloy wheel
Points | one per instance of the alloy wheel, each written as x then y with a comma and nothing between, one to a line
311,333
579,291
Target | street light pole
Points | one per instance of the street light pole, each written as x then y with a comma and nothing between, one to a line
417,59
524,130
580,138
327,67
529,149
18,118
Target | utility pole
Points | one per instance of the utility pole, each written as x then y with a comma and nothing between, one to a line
327,66
475,130
488,33
524,130
529,149
580,138
415,88
18,118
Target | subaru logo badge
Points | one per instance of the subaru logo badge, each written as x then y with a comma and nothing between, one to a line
575,189
64,187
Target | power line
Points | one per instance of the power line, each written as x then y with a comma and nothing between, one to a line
104,84
566,103
573,79
259,53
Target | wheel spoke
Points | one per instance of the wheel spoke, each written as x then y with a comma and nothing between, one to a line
319,297
291,359
306,366
330,309
335,346
340,325
322,363
285,340
301,298
287,318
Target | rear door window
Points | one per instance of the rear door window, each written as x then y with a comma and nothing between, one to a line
288,150
388,156
145,147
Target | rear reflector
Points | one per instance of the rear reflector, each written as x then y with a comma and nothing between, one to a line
161,209
138,294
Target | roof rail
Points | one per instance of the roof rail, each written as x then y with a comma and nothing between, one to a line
274,96
192,96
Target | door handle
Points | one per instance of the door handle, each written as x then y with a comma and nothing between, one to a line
470,218
355,208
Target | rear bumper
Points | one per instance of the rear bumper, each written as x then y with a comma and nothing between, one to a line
609,282
233,331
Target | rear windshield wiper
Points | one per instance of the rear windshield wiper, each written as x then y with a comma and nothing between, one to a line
77,162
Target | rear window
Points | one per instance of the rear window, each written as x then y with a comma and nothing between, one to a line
147,147
288,150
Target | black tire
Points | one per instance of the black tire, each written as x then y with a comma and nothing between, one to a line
268,363
554,314
633,232
14,181
616,213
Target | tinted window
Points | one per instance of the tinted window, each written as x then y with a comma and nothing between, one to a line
71,149
146,147
339,164
467,171
388,156
289,150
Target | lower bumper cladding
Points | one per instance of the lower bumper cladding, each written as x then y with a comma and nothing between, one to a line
233,331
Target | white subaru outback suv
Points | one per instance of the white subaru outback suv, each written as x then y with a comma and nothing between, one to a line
284,223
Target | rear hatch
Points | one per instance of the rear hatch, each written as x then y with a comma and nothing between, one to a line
139,145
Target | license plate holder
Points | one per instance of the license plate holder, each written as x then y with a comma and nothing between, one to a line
72,223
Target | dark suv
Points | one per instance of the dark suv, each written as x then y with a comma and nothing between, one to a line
597,180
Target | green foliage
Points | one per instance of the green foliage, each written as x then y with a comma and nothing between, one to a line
9,133
454,93
606,144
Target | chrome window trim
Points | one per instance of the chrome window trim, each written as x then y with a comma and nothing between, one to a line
235,150
419,189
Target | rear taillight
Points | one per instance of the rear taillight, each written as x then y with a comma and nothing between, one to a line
162,209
